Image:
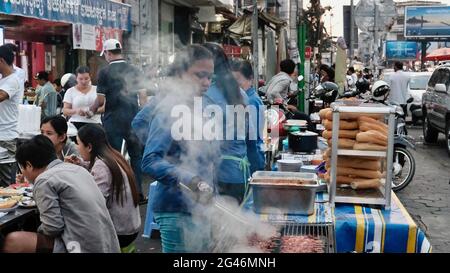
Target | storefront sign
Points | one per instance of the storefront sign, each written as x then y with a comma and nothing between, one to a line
91,38
84,36
102,13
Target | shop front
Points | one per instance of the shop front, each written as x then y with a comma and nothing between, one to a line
58,36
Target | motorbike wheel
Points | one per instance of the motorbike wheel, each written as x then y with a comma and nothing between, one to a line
404,168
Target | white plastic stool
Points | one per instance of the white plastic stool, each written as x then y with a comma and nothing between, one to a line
150,225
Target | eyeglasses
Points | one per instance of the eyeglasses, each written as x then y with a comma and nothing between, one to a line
203,75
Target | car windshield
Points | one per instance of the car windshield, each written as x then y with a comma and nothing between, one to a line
419,82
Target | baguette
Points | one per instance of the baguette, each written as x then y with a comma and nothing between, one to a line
357,163
372,136
372,121
358,172
344,143
365,184
323,113
8,204
351,134
347,180
369,147
343,124
352,116
327,154
364,127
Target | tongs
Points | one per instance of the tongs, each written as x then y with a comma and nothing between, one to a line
217,205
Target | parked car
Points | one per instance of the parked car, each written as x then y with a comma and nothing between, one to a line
436,106
416,88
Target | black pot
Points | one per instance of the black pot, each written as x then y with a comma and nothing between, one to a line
302,142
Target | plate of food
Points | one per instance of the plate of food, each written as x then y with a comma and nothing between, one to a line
27,203
9,192
7,205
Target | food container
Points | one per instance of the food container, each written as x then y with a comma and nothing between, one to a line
302,141
289,165
284,192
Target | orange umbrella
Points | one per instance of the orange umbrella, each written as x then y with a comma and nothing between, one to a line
439,54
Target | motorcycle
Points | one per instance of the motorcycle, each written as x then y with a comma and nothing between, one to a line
404,165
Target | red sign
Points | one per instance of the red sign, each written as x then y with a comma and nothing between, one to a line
308,51
102,34
232,51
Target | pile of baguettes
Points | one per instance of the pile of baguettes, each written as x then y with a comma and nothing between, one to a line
359,132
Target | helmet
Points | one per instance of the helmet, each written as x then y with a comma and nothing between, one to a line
68,80
327,91
380,90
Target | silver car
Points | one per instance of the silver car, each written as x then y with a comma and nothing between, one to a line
436,106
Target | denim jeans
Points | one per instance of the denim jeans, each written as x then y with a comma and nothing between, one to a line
179,233
134,147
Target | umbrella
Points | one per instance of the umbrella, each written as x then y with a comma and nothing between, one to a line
439,54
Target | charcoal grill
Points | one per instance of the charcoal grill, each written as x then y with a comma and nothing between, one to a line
324,232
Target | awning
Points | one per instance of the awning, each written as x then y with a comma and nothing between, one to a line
243,25
198,3
101,13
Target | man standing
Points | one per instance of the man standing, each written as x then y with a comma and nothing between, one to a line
120,87
399,86
20,73
11,94
48,98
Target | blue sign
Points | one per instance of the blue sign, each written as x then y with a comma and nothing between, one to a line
401,50
431,22
102,13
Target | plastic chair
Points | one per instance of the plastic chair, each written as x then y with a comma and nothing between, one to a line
150,225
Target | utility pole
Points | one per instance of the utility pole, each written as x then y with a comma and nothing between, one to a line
255,38
352,29
375,37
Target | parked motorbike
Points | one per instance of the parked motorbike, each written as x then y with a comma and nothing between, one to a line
404,165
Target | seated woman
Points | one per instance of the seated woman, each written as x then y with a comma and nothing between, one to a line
55,128
73,216
115,179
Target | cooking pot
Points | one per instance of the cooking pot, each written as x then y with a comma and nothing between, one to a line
302,142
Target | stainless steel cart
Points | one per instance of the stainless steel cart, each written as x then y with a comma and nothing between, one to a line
381,196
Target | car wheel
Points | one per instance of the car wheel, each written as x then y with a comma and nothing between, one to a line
447,137
430,134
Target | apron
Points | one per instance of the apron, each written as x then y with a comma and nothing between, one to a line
244,166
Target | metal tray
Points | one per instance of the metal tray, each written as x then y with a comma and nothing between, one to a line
273,195
267,177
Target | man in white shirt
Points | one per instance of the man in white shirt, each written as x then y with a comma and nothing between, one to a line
20,73
11,94
399,86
